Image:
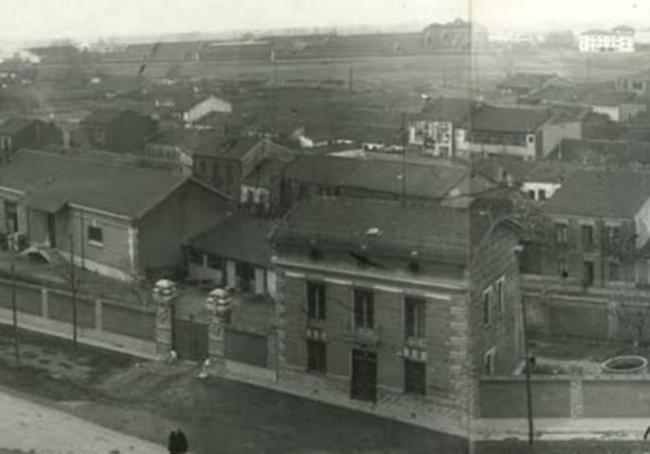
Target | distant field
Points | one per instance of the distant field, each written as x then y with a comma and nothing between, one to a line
442,74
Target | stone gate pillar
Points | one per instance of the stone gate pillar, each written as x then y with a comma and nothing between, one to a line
219,305
164,295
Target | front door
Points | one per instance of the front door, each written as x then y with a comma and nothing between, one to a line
51,229
11,216
364,375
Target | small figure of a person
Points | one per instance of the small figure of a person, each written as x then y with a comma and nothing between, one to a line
177,442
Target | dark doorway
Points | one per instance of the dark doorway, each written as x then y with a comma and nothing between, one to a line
588,272
51,229
364,375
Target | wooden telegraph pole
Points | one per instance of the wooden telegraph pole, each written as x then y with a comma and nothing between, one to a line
14,307
73,291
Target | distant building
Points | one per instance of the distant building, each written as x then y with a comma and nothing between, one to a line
17,133
229,162
124,221
527,133
460,127
598,230
601,98
122,131
381,301
523,83
619,39
434,129
457,35
190,107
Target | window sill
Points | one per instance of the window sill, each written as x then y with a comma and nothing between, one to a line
96,243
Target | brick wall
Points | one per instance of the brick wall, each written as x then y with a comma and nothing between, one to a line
506,398
389,326
495,260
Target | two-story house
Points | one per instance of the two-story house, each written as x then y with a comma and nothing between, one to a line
122,131
524,132
599,221
118,220
383,301
17,133
433,129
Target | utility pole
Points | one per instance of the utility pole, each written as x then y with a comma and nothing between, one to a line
73,291
404,142
351,79
14,308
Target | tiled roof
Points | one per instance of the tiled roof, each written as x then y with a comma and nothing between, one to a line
601,193
50,179
437,233
238,237
452,110
386,176
103,116
507,119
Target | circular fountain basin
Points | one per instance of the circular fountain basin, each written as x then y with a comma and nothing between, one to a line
628,364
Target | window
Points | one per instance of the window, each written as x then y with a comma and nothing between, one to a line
415,374
488,362
562,268
316,356
501,294
364,309
487,309
541,194
588,272
587,237
614,271
11,216
531,139
531,194
195,256
316,300
613,234
216,177
561,233
214,261
95,235
414,317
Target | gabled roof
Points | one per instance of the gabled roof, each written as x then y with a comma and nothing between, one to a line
453,110
14,125
239,237
601,193
507,119
437,233
52,179
426,180
104,116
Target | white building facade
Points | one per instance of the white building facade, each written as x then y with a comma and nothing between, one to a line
620,39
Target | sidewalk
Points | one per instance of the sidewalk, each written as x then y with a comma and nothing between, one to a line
30,427
554,429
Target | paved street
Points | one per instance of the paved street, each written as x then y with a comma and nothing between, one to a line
29,427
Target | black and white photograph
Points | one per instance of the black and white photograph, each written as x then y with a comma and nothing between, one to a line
323,227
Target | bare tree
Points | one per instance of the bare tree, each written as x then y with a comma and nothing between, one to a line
636,319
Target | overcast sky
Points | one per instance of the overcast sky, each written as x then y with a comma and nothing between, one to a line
88,19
